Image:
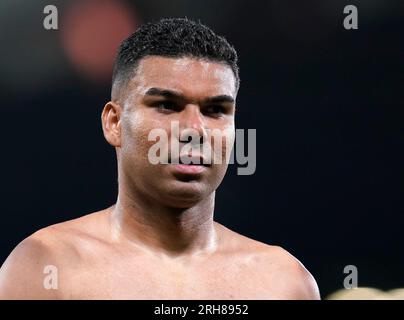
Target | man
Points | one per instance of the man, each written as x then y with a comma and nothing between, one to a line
160,241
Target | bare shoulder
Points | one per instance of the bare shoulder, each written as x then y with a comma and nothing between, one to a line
277,267
23,273
297,282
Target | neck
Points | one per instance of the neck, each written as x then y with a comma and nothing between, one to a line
161,229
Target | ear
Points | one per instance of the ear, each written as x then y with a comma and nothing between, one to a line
111,123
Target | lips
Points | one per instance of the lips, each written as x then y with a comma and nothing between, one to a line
186,169
197,165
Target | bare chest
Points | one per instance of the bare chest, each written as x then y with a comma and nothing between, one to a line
146,279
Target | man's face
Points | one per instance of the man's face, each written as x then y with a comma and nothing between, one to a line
198,96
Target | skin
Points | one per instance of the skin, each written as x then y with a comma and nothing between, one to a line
160,240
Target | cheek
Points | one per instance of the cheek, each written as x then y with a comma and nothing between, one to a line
222,143
136,141
136,128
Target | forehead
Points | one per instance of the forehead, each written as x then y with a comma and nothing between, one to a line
191,76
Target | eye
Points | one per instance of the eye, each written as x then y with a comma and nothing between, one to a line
215,110
165,106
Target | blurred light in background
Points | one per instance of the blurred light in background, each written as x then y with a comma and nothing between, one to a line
34,59
30,55
91,32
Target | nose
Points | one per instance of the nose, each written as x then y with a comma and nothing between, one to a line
192,125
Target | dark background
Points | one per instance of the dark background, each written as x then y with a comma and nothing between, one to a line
327,104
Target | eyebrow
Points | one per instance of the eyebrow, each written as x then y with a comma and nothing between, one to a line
159,92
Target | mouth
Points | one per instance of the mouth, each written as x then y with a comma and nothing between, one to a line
189,165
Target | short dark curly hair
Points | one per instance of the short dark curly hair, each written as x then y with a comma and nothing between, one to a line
172,37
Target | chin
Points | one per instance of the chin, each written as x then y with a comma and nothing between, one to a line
185,194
